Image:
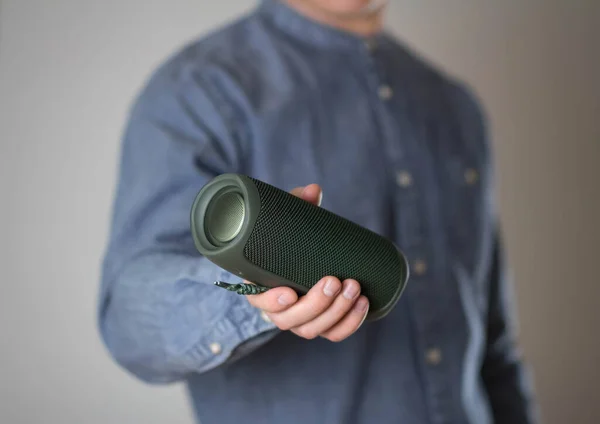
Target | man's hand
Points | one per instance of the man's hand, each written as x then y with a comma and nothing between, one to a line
331,309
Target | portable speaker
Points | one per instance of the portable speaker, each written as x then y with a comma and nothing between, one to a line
272,238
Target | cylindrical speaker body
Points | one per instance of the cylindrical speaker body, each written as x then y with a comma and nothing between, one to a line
270,237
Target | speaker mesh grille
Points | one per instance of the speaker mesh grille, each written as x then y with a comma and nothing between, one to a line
303,243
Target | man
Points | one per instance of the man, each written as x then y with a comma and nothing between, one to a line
312,91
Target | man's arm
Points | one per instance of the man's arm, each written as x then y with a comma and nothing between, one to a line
159,314
504,374
509,388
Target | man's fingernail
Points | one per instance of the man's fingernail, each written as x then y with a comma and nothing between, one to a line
320,198
361,305
351,290
285,299
332,286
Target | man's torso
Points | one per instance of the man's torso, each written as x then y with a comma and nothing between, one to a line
397,148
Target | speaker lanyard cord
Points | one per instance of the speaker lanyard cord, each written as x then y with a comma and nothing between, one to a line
242,288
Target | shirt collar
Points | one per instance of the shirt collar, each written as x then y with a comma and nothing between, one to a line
301,27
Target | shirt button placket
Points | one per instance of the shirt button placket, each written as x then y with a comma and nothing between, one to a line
411,207
384,91
412,235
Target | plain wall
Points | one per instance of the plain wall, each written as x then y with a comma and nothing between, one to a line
68,72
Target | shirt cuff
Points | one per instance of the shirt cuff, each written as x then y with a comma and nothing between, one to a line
240,331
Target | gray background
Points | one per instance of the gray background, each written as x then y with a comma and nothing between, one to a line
69,69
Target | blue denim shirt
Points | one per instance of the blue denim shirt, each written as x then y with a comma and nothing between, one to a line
398,147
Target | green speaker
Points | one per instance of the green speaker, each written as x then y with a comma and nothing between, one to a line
272,238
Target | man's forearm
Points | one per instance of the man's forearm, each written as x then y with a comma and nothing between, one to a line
161,318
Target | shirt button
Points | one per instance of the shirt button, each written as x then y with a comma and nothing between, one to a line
385,92
420,267
369,45
403,179
264,316
433,356
471,176
215,348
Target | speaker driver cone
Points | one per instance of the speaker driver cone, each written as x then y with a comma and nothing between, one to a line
224,217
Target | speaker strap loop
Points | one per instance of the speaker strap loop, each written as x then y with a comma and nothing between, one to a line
242,288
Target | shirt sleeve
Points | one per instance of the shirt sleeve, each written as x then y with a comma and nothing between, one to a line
506,378
504,373
159,314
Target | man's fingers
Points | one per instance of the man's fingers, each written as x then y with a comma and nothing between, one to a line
350,323
312,193
336,312
330,309
314,303
274,300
